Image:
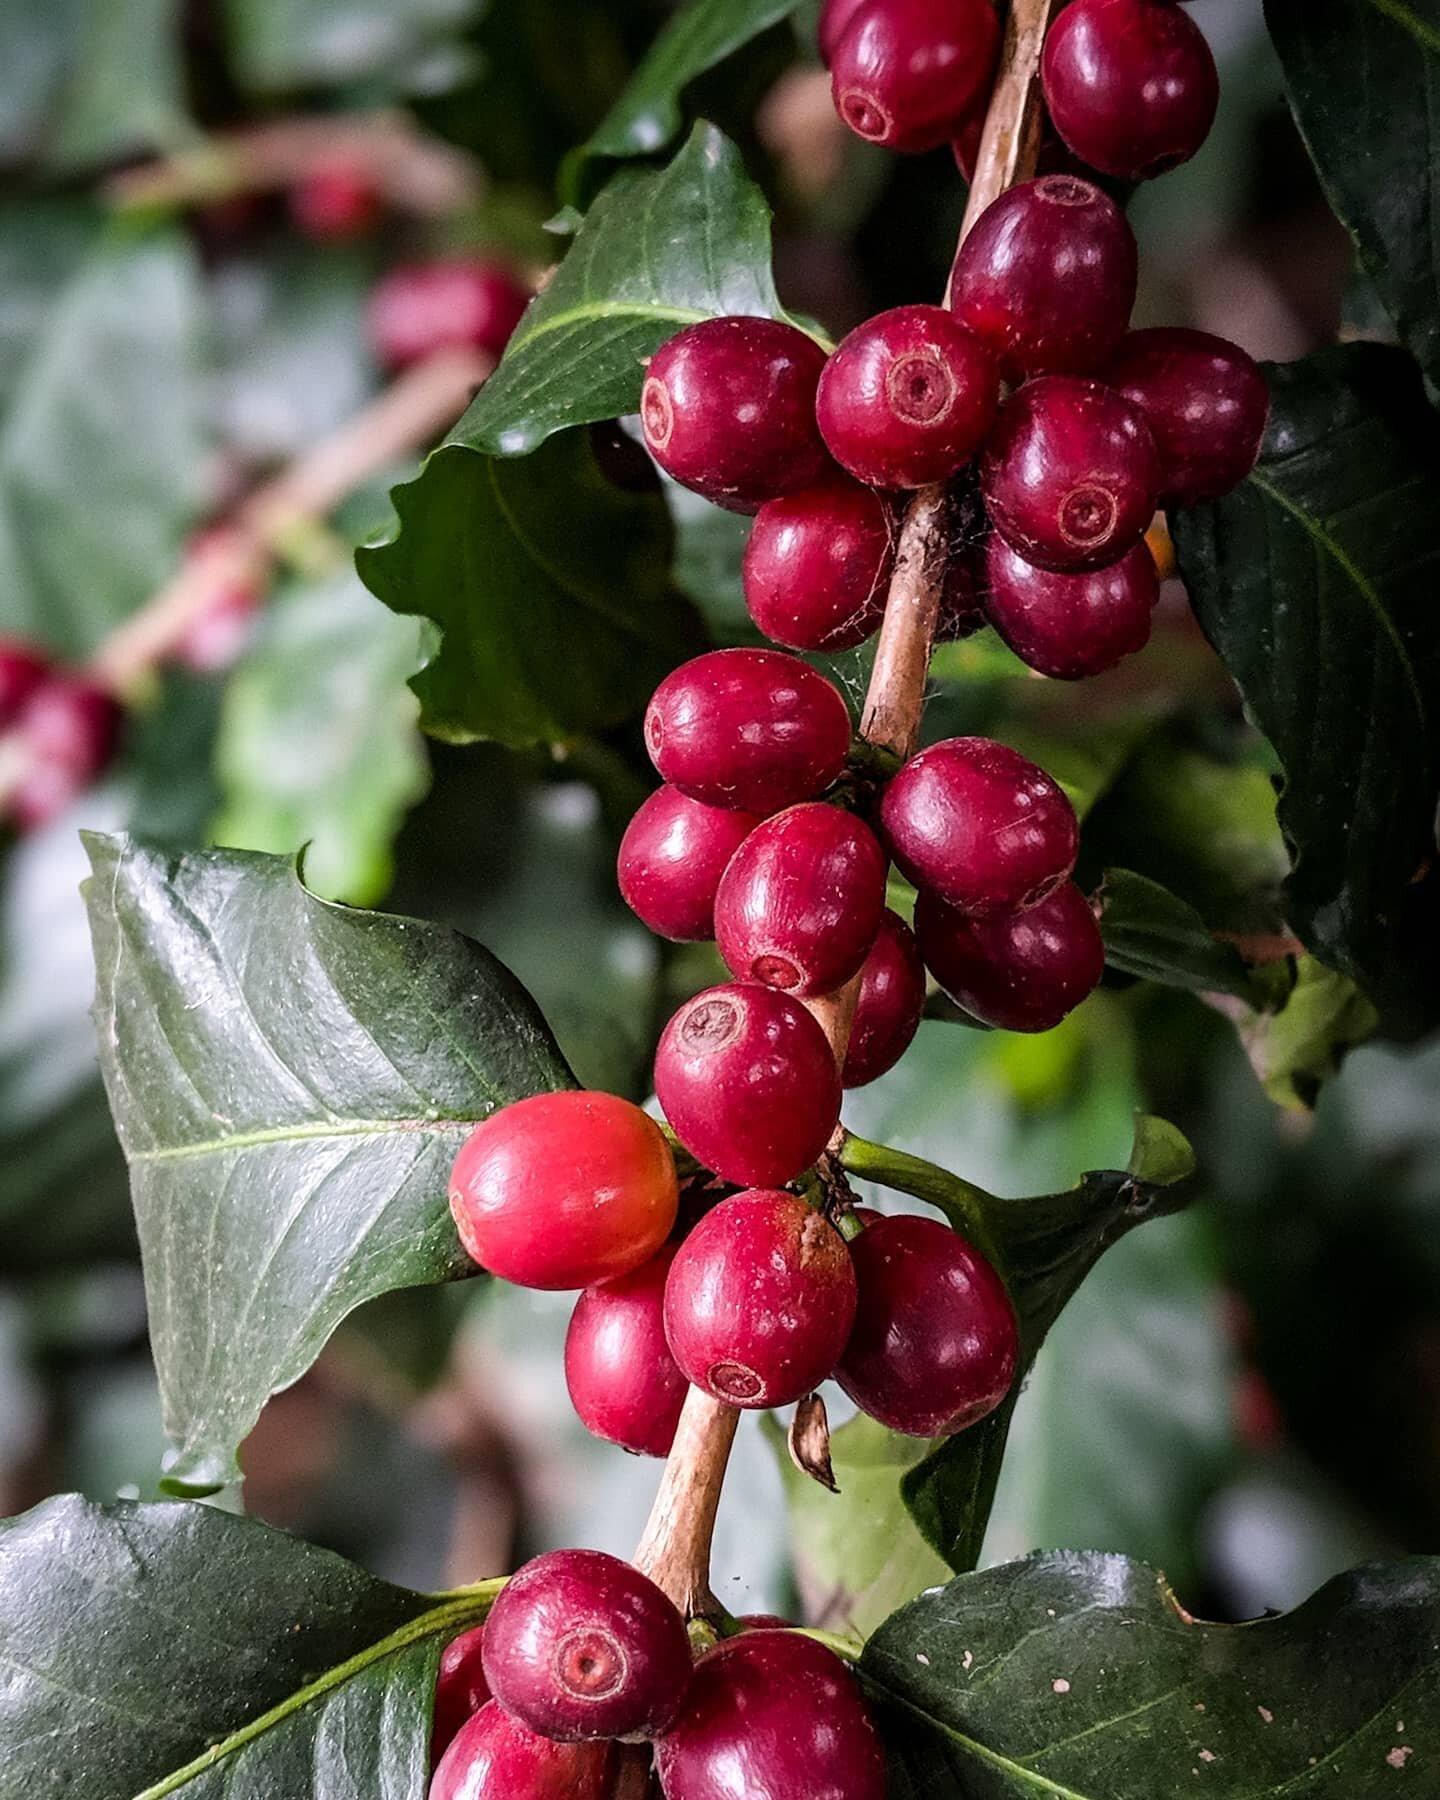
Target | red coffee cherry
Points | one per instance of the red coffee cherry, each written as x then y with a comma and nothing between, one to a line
818,565
1069,626
334,201
460,1689
579,1645
1206,403
905,72
564,1190
728,409
907,398
800,903
1131,85
1047,278
772,1715
751,729
22,669
1071,474
760,1300
1020,971
887,1012
496,1758
623,1381
935,1345
451,303
834,22
68,729
1053,157
748,1083
672,856
980,824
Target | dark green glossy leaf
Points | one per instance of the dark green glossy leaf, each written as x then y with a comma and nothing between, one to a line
290,1081
1153,933
280,45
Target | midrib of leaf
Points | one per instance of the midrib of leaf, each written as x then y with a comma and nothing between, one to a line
286,1134
1425,35
1039,1784
612,309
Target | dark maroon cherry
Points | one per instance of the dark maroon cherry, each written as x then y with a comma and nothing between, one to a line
22,669
494,1757
68,730
460,1689
887,1012
800,903
907,398
748,1082
335,200
672,856
1053,157
1206,403
818,565
772,1715
905,72
728,409
1019,971
935,1344
760,1300
835,17
1069,626
452,303
623,1381
1130,84
980,824
1071,474
580,1645
1047,277
751,729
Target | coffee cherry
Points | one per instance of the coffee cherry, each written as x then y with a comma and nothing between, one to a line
1071,474
496,1758
452,303
1131,85
935,1344
772,1715
818,565
68,730
672,856
748,1083
580,1645
1019,971
728,409
564,1190
980,824
800,903
460,1688
760,1300
1205,401
22,669
905,72
623,1381
887,1012
1052,159
1069,626
751,729
1047,277
834,22
907,398
334,201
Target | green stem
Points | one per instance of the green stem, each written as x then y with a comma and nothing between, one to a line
964,1204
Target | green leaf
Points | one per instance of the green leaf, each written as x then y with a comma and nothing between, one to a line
290,1082
1316,581
42,244
1363,80
280,45
1076,1676
123,90
1295,1051
174,1649
1153,933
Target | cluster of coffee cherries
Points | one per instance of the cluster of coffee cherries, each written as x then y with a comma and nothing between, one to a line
59,729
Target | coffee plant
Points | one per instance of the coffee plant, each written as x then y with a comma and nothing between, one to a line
909,734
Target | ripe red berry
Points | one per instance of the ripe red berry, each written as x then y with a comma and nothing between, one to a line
1130,84
980,824
753,729
1069,626
834,22
1071,474
818,564
455,302
335,200
580,1645
800,903
728,409
935,1344
1206,403
460,1689
672,856
760,1300
748,1083
1020,971
772,1715
68,729
22,669
887,1012
905,72
496,1758
623,1381
564,1190
1047,277
907,398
